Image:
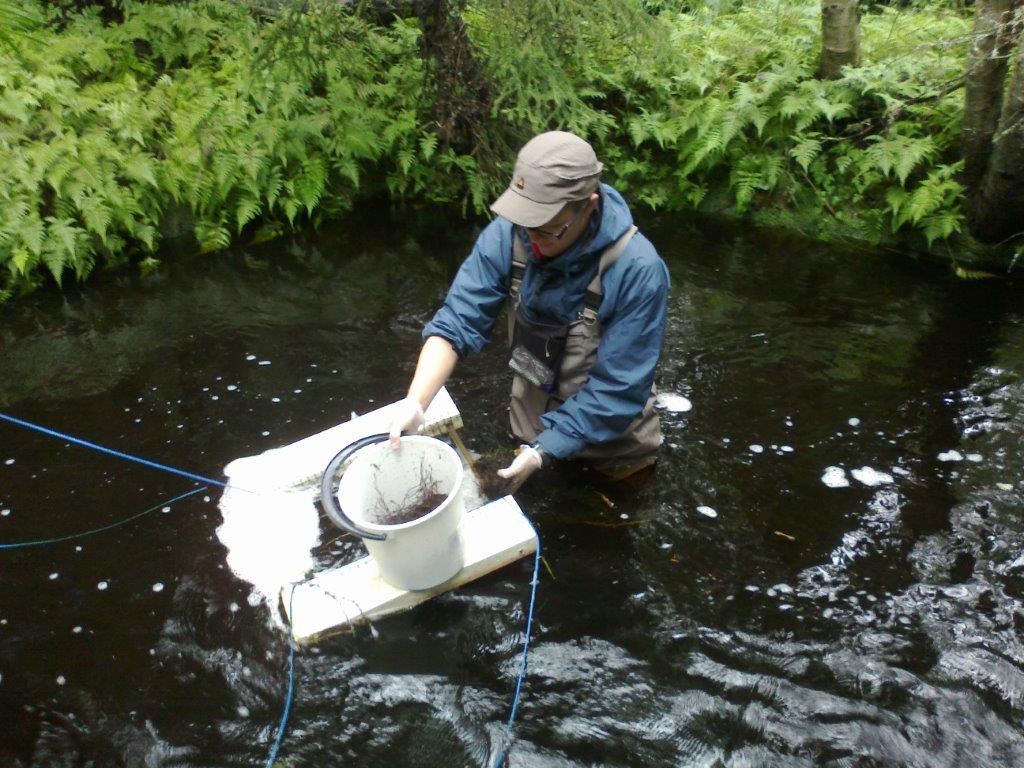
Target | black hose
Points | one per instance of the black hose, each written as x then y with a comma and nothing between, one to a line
328,499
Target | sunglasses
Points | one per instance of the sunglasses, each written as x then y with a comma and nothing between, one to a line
537,232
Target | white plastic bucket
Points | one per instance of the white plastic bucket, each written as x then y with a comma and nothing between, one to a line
420,553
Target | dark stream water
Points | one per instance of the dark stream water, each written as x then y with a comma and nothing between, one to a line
874,619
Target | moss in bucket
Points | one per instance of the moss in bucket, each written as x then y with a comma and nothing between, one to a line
419,501
407,512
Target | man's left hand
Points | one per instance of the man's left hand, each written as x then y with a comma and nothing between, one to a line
526,462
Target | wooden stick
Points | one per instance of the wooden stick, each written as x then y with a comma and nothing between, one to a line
461,446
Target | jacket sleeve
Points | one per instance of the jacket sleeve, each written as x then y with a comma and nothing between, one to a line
476,296
621,378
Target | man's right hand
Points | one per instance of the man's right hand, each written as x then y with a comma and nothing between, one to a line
408,418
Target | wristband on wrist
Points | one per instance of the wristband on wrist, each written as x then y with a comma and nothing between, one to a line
544,455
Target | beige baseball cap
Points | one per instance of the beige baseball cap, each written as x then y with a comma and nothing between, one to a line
553,169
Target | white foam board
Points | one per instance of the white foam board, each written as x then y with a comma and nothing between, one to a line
301,463
271,523
493,536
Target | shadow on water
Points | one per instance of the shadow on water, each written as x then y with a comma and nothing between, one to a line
823,569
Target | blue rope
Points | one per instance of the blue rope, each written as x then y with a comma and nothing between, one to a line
526,651
519,679
291,682
291,645
118,454
172,470
40,542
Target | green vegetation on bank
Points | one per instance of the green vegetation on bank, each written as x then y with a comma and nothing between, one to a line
243,124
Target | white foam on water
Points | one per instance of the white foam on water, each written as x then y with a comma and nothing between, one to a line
755,448
9,462
835,477
102,585
673,402
4,512
264,362
250,357
707,512
158,587
870,477
1004,486
853,421
975,457
269,537
951,456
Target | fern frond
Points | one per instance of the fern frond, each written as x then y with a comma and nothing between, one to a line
247,210
805,151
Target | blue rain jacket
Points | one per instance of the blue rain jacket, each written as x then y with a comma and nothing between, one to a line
632,314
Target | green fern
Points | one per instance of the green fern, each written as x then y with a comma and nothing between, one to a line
250,124
806,150
247,210
898,155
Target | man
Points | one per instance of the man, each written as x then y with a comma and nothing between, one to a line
587,298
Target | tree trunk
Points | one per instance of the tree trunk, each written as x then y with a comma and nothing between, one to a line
840,37
462,98
986,73
993,130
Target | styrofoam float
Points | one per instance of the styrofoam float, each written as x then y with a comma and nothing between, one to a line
272,524
492,536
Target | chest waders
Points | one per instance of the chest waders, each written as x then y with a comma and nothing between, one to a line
551,363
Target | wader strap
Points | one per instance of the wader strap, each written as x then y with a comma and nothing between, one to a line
519,262
592,299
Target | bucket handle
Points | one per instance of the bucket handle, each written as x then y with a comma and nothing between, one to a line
330,502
